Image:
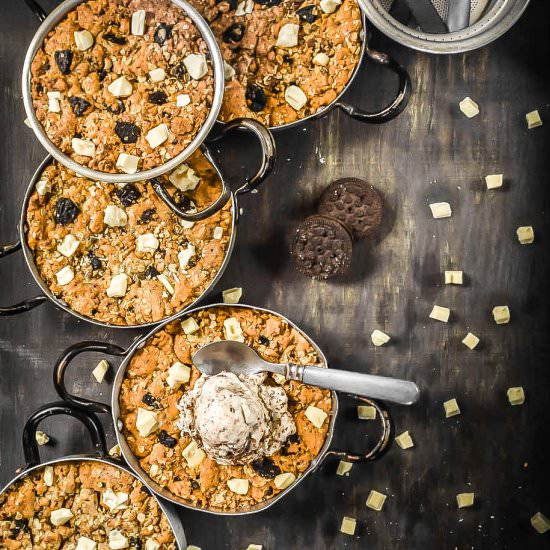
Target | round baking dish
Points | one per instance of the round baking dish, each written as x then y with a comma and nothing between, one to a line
47,293
326,450
101,456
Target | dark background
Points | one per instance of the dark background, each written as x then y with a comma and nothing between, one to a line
430,153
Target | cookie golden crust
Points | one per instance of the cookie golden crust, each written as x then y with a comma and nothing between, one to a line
83,488
82,257
78,93
259,72
205,484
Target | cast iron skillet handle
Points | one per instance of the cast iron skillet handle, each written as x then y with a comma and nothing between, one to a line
63,362
90,420
37,9
398,103
26,305
267,143
381,445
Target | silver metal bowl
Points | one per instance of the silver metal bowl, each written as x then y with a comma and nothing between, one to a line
97,435
70,353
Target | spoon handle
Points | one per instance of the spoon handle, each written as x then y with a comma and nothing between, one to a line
393,390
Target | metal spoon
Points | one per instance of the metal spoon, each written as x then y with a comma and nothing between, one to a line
238,358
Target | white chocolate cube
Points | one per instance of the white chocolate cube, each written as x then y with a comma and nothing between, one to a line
526,234
516,395
238,486
166,283
84,40
42,438
494,181
189,325
60,516
138,23
501,315
344,468
440,313
157,75
441,210
232,330
146,422
184,178
330,6
295,97
470,340
48,476
157,135
465,500
288,36
100,371
453,277
284,480
184,256
217,233
376,500
404,440
68,246
196,65
121,87
533,120
147,243
127,163
316,416
379,338
178,374
366,412
182,100
451,408
469,107
193,455
118,286
84,543
117,541
232,295
321,59
540,523
64,276
83,147
114,216
348,525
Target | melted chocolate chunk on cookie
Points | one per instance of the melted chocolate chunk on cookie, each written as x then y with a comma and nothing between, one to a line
66,211
79,105
127,132
163,33
115,39
128,195
234,33
167,440
158,97
255,98
265,467
64,58
307,14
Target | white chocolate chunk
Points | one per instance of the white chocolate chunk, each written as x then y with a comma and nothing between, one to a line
540,523
366,412
344,468
42,438
27,123
404,440
465,500
501,315
284,480
193,455
114,451
238,486
288,36
196,65
185,255
121,87
54,95
60,516
64,276
83,40
330,6
494,181
232,295
533,120
157,135
441,210
526,234
152,544
157,75
295,97
166,283
470,340
440,313
251,547
232,330
84,543
244,7
147,243
217,233
146,422
379,338
43,187
193,547
48,476
114,501
68,246
117,541
189,325
279,378
316,416
114,216
376,500
184,178
228,71
182,100
118,286
178,374
127,163
54,106
453,277
100,371
321,59
138,23
516,395
469,107
348,525
451,408
83,147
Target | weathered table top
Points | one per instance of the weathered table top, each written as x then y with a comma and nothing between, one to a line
430,153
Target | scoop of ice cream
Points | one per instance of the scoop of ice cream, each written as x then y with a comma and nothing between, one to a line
235,419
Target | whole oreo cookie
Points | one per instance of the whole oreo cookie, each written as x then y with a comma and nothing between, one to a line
355,203
322,247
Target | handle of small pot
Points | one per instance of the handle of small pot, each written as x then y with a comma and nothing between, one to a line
26,305
64,361
381,446
37,9
398,103
90,420
267,143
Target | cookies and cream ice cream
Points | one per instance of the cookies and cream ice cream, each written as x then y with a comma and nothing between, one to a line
236,420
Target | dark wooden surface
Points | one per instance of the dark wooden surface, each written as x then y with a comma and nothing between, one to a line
430,153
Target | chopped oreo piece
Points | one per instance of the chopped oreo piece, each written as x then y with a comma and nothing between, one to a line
79,105
115,39
167,440
255,98
95,262
307,14
265,467
263,341
147,215
234,33
128,195
150,401
66,211
158,97
127,132
64,58
151,272
163,33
